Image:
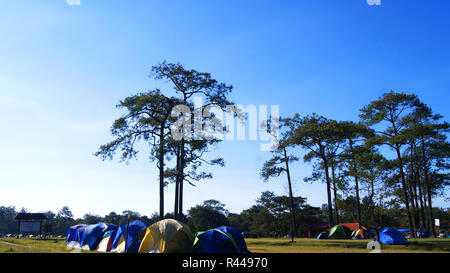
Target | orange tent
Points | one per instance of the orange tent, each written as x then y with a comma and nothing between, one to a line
352,226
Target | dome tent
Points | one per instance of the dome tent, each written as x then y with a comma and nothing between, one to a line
340,232
214,241
72,232
105,244
93,234
323,235
392,236
74,236
237,237
360,234
136,232
167,236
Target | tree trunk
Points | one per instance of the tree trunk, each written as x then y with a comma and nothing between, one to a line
422,208
410,186
177,183
181,178
425,204
380,210
180,206
181,167
371,197
419,195
358,207
427,183
330,206
402,177
336,210
414,185
405,190
291,198
161,172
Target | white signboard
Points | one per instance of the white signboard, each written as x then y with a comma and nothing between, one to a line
30,226
436,222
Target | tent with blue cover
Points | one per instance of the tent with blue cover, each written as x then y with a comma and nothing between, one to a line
323,235
404,230
73,236
392,236
93,234
72,232
106,242
136,232
214,241
237,237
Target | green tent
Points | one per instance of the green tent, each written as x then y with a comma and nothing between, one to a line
340,232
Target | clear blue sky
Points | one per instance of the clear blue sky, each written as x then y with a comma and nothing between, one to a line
64,68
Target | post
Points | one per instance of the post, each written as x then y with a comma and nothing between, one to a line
126,233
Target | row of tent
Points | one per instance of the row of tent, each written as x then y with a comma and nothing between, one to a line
165,236
388,235
343,232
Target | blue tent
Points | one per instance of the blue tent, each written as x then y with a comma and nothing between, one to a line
214,241
72,232
404,230
93,234
134,229
237,237
323,235
392,236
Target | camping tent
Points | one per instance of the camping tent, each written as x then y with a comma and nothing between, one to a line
237,237
93,234
404,230
360,234
214,241
136,231
167,236
323,235
340,232
72,232
353,226
106,243
73,236
392,236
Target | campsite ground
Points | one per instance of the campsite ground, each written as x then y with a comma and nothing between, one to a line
260,245
307,245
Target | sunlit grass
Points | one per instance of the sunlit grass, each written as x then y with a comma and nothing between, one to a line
260,245
307,245
33,245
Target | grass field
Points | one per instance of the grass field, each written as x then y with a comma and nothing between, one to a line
306,245
260,245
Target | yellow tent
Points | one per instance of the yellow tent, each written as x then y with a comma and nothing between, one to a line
167,236
359,234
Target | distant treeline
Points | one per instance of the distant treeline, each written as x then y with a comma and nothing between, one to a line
269,217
